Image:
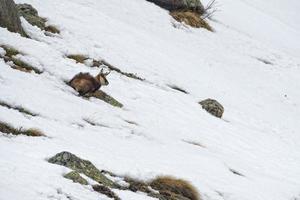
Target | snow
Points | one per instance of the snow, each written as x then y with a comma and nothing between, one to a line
257,137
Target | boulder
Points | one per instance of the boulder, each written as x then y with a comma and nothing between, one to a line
175,5
9,17
213,107
79,165
31,15
75,177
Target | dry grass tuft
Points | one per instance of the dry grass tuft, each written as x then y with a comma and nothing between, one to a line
10,52
18,108
6,128
169,185
137,185
191,18
17,63
52,29
77,57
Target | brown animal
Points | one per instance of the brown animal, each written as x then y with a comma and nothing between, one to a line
85,83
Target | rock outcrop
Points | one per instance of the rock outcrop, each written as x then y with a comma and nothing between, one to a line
213,107
9,17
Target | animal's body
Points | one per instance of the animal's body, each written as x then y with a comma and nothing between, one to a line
85,83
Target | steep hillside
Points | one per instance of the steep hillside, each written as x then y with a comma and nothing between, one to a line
250,64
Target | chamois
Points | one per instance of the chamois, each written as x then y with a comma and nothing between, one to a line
85,83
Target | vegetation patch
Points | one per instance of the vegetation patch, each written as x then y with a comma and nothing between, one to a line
190,18
162,188
174,87
105,97
92,123
173,187
17,64
52,29
6,128
18,108
78,58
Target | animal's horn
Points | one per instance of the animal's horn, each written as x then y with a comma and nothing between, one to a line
105,74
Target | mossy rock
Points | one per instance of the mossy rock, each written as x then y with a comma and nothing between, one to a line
31,15
106,98
213,107
75,177
79,165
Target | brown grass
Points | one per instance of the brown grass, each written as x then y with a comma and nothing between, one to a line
8,129
17,63
77,57
191,18
169,185
137,185
52,29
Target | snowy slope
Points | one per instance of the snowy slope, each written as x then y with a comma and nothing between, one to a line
258,135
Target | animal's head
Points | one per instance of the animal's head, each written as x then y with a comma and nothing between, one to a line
101,78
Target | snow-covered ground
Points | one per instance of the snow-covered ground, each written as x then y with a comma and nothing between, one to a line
152,134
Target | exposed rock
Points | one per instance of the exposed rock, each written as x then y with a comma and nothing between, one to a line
75,177
106,191
9,17
31,15
81,166
213,107
175,5
99,94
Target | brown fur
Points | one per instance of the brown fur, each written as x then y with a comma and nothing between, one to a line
84,83
167,184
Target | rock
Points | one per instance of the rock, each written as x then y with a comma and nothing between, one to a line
106,191
75,177
99,94
176,5
79,165
31,15
213,107
9,17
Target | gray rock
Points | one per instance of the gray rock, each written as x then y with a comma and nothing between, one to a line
213,107
31,15
75,177
79,165
173,5
9,17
